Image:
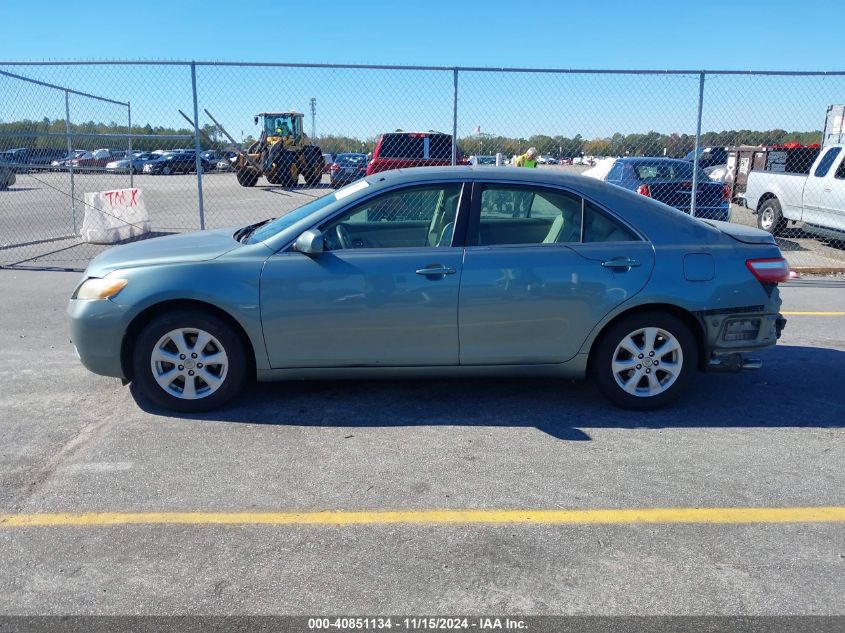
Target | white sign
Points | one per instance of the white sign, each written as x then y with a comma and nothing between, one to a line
113,216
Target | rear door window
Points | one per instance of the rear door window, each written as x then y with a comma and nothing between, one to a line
826,162
514,215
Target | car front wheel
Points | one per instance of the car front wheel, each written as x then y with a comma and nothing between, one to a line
187,361
645,361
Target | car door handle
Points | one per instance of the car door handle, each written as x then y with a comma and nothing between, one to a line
621,262
436,269
827,189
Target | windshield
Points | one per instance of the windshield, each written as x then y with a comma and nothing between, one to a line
280,224
278,125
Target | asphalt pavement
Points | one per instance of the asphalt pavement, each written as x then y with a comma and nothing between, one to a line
77,443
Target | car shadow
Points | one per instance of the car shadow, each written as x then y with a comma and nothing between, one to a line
798,387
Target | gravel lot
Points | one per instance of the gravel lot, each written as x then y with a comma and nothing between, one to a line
36,214
76,442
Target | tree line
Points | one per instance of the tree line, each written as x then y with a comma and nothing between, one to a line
636,144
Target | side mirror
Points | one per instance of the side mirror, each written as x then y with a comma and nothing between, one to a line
310,243
256,120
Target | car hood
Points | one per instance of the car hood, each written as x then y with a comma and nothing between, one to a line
171,249
742,233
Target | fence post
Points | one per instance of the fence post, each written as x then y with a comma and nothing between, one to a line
129,156
455,118
697,145
70,162
197,148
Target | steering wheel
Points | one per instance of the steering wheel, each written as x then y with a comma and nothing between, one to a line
343,236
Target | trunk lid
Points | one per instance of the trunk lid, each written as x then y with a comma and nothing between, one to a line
742,233
678,193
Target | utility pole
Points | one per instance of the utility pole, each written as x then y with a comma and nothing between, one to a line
313,118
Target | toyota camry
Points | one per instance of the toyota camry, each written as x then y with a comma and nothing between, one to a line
437,272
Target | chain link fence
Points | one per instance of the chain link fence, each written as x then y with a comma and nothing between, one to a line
212,145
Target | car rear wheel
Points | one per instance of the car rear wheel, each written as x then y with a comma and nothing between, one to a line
645,361
166,171
770,217
187,361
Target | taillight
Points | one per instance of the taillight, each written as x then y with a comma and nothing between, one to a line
334,167
726,193
643,190
769,270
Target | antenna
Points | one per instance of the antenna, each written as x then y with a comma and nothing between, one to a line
313,118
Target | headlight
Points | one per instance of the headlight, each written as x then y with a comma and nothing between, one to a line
99,288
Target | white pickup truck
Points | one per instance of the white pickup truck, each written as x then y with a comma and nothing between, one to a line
817,199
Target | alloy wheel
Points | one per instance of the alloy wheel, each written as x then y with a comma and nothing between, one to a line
189,363
647,362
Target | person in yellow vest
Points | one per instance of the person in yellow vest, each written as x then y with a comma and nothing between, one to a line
528,159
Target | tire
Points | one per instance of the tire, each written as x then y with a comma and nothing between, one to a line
770,217
655,387
166,171
247,177
162,382
314,163
283,163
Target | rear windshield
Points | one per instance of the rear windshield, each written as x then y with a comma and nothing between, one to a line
440,147
663,171
401,146
351,159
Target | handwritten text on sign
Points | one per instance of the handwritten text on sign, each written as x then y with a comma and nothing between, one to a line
114,216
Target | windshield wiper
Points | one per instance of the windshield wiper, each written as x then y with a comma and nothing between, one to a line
241,235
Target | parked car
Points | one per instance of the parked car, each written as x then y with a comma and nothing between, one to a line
174,163
566,283
347,168
205,164
139,159
398,150
97,160
817,199
328,160
545,159
63,162
669,180
7,174
24,159
225,161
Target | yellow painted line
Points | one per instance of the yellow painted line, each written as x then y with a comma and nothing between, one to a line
822,314
622,516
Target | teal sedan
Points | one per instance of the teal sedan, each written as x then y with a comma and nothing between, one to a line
437,272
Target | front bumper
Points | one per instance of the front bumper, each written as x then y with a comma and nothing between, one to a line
96,331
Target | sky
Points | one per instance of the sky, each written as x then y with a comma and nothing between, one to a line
717,34
711,34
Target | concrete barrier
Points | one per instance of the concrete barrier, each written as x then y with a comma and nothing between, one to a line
114,216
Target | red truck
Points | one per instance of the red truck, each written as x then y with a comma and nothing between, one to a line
397,150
